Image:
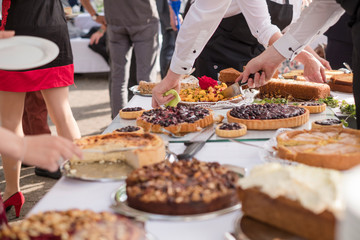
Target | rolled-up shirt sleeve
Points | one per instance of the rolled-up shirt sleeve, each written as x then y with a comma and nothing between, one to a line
199,25
258,19
314,21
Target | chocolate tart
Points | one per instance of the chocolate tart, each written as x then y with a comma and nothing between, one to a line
268,116
327,123
176,119
313,107
230,130
133,129
182,188
151,148
336,148
131,113
74,224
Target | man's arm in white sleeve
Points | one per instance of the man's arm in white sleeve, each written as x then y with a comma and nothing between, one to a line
198,26
314,21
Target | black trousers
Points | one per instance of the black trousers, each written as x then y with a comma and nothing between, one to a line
356,69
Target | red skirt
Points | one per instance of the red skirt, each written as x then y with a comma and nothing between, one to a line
40,18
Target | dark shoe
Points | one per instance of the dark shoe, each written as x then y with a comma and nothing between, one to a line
45,173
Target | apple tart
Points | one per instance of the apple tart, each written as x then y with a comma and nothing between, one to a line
336,148
268,116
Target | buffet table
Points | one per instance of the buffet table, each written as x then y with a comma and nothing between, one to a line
69,193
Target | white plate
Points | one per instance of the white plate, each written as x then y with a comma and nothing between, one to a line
25,52
136,91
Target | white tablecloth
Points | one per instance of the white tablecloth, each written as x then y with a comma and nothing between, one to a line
68,193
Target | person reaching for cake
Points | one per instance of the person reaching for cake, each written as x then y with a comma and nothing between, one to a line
315,20
202,21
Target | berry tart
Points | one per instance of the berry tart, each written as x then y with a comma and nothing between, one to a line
327,123
268,116
149,148
74,225
336,148
182,188
134,129
313,107
131,113
175,119
230,130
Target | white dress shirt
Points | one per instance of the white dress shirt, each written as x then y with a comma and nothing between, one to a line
314,20
204,17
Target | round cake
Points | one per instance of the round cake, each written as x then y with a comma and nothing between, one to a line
134,129
327,123
313,107
131,113
230,130
182,188
175,119
268,116
336,148
74,224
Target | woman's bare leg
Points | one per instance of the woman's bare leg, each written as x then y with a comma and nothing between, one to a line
11,111
57,102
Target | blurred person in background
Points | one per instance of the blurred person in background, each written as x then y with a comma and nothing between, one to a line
129,25
47,20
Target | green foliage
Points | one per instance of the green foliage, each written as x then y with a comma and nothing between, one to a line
329,101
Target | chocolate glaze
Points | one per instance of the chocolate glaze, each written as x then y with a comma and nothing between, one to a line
266,111
329,121
133,109
175,115
230,126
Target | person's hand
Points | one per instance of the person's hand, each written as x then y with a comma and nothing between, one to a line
45,151
101,20
95,37
6,34
171,81
325,63
174,19
267,62
314,71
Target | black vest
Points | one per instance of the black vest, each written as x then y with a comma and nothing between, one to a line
352,7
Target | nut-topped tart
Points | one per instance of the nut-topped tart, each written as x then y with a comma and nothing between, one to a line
176,119
268,116
148,148
313,107
230,130
131,112
74,225
182,188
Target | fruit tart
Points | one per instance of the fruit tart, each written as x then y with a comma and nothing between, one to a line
268,116
230,130
134,129
131,112
176,119
327,123
314,107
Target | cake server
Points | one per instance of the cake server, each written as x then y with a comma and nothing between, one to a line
235,89
197,142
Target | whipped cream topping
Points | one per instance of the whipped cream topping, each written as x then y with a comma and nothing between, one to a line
316,189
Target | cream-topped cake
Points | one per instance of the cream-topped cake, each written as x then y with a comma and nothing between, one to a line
300,199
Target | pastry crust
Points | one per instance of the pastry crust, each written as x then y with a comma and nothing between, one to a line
152,148
335,148
231,133
182,127
130,115
287,214
269,124
315,109
315,125
140,130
